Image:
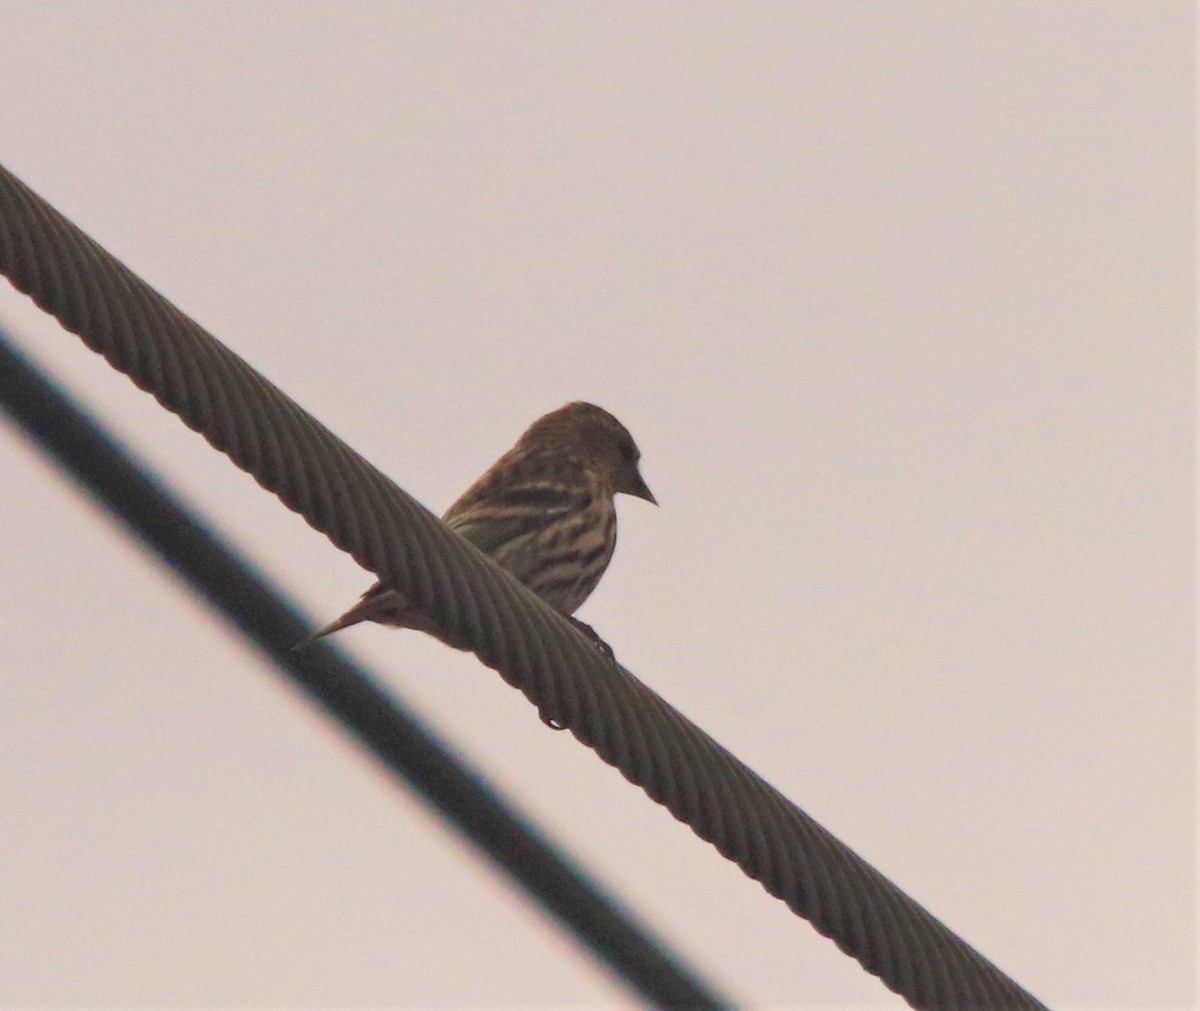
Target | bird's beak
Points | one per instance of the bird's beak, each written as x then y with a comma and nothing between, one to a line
636,487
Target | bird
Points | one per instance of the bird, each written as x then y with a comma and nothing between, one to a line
544,511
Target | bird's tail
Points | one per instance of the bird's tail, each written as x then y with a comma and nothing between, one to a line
377,604
345,621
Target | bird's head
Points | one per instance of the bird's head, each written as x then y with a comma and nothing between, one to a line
598,439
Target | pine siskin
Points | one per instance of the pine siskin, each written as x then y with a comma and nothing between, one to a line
544,512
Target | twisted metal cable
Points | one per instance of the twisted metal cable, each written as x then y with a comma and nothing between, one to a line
533,648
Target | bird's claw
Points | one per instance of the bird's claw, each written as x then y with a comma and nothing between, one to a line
594,636
596,641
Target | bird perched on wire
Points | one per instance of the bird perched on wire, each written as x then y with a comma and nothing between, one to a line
544,511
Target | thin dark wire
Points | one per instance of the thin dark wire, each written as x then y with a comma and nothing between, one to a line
533,648
396,738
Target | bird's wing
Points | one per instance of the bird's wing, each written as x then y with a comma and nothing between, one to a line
507,514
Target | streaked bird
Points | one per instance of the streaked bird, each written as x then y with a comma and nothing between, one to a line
544,511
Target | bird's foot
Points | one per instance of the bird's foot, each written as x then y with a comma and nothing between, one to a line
551,722
604,648
594,636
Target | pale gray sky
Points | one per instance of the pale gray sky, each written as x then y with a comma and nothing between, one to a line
898,300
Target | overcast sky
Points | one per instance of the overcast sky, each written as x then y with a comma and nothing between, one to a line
898,300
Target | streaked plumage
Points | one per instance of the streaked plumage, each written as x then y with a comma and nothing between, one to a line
544,511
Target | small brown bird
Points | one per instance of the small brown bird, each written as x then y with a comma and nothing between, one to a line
544,511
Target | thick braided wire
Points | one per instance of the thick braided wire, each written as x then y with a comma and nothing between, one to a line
534,649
